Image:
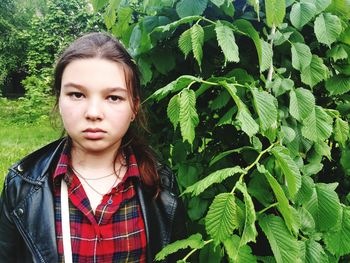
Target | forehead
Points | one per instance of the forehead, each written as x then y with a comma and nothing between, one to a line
94,73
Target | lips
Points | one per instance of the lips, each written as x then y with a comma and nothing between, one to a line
94,133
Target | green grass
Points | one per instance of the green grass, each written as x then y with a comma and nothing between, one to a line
16,141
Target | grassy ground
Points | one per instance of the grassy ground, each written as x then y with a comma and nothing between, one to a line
16,141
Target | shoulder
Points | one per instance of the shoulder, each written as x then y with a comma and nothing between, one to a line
34,165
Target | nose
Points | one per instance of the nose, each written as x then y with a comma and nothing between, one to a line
94,110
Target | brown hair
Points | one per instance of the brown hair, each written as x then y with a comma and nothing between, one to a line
102,45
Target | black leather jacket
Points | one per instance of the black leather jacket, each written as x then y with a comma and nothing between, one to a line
27,223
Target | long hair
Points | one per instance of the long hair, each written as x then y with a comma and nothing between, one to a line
104,46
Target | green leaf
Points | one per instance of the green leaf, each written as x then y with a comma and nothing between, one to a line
185,42
283,203
249,232
215,177
289,169
324,206
190,8
221,219
327,28
266,56
174,86
341,131
246,27
210,253
307,221
98,4
259,188
317,126
237,253
301,56
173,110
301,13
306,190
321,5
247,123
175,24
275,11
218,3
338,84
314,252
256,5
227,42
265,107
338,241
194,241
188,116
284,246
315,72
197,208
302,103
197,39
338,52
145,69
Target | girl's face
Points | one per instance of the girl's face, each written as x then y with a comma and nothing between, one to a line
95,104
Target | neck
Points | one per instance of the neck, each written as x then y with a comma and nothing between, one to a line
92,163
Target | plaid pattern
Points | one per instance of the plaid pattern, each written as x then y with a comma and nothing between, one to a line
115,233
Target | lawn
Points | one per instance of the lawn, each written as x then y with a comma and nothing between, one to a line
16,141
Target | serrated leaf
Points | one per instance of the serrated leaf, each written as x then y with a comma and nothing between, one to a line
301,13
266,108
220,101
237,253
284,246
337,53
341,131
338,241
215,177
247,123
283,203
302,103
289,169
227,42
174,86
221,219
194,241
188,116
324,206
275,11
197,39
315,72
327,28
175,24
314,252
301,56
307,221
317,126
287,134
249,232
145,69
338,84
185,42
266,56
246,27
191,8
306,190
173,110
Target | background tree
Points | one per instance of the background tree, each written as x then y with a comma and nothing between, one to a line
256,93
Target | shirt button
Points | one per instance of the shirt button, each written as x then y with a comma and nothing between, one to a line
110,202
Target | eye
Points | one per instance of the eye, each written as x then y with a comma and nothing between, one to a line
76,95
114,98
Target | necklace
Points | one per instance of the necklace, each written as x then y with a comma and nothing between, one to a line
95,178
105,176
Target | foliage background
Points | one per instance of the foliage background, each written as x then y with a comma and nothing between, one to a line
256,94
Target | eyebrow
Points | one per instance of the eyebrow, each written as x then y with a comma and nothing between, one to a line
81,87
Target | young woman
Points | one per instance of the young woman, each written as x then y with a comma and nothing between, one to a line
97,195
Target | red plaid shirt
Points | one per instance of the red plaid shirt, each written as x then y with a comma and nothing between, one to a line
115,232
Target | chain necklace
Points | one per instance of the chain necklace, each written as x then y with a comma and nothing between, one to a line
105,176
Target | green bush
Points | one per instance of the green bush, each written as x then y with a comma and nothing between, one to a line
257,96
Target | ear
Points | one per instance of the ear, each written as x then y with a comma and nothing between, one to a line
136,108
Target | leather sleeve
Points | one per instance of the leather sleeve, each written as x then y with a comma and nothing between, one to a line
9,235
